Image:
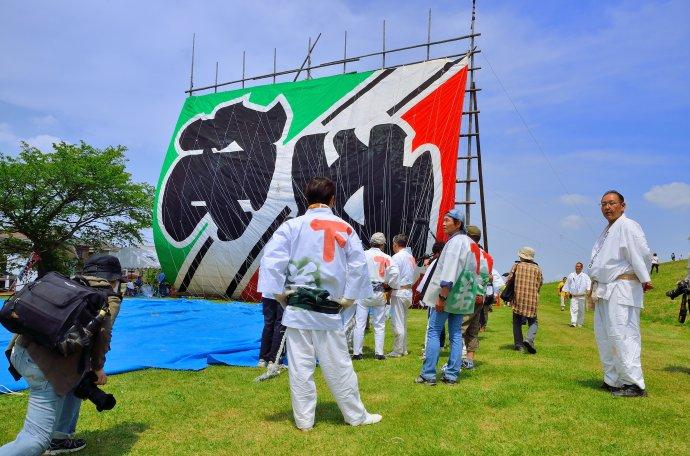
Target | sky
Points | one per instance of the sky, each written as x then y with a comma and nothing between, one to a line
577,97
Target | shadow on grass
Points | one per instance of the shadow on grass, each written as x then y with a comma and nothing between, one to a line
681,369
591,383
510,347
326,412
118,439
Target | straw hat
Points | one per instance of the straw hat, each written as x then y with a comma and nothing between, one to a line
526,253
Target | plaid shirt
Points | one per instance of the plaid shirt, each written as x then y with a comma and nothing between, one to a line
528,281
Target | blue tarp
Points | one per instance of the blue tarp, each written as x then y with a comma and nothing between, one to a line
184,334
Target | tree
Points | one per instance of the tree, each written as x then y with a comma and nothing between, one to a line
75,195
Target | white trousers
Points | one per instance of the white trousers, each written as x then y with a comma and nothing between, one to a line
577,310
304,347
562,302
399,308
378,314
617,331
348,316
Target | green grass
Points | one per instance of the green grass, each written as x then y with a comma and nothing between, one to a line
512,403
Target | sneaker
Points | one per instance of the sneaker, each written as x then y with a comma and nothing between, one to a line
448,381
356,357
421,380
606,387
444,367
529,346
467,364
261,364
572,325
393,355
372,418
629,391
562,309
579,326
380,357
519,348
62,446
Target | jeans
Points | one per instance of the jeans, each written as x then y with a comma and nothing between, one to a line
442,336
48,414
433,346
518,321
273,330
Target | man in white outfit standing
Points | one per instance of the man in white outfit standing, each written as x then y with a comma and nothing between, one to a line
377,262
401,275
577,286
619,268
315,264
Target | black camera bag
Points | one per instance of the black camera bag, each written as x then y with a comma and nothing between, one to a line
53,311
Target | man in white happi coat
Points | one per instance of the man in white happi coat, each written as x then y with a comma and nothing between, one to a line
400,276
577,285
377,262
619,268
451,293
315,263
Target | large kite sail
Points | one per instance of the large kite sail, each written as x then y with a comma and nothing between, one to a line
238,162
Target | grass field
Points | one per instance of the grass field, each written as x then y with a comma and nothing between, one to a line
512,403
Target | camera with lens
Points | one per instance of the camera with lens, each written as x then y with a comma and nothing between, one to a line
682,287
87,389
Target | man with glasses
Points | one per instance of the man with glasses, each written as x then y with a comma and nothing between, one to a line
619,268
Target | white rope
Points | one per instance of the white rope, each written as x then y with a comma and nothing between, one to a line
534,139
274,369
6,390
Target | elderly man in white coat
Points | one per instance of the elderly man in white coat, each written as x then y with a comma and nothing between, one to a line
401,274
316,265
377,262
577,285
619,268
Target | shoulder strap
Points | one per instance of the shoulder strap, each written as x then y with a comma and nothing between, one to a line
428,280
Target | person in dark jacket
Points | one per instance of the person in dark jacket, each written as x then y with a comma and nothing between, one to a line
53,410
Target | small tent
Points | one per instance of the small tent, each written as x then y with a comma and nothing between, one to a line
137,257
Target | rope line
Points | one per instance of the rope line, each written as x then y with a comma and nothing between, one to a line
536,142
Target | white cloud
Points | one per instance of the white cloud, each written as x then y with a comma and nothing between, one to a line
573,222
9,141
6,134
43,142
573,199
44,120
619,157
670,196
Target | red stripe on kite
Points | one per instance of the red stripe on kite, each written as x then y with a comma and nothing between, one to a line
436,120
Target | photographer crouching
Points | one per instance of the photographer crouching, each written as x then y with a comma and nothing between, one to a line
58,383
